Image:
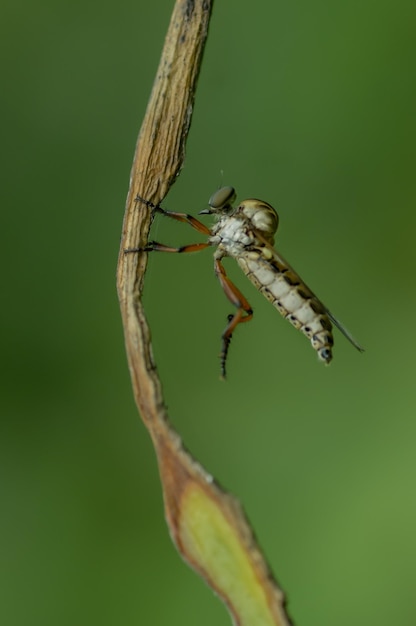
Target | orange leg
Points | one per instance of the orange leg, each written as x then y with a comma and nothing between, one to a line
180,217
154,246
244,311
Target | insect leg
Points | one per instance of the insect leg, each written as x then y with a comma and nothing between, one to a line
224,349
179,217
187,219
160,247
244,311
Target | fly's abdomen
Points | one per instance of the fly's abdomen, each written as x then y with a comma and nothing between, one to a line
291,297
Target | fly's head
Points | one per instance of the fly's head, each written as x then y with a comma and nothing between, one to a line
258,214
221,202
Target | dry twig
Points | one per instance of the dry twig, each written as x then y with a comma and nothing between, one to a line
207,525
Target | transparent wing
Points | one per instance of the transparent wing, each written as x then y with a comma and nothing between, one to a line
344,331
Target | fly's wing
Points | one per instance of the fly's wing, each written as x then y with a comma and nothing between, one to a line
344,331
279,263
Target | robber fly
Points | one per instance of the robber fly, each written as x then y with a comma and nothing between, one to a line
246,233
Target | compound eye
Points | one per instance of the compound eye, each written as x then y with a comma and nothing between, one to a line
223,198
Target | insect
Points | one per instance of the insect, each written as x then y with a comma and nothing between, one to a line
246,233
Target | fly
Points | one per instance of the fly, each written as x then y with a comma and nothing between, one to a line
246,233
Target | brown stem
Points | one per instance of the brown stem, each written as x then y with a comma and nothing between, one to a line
207,525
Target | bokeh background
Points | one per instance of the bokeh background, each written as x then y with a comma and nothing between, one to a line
310,106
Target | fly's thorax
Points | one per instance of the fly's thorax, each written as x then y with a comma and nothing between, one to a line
261,216
232,233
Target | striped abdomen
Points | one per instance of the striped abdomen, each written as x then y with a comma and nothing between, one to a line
291,297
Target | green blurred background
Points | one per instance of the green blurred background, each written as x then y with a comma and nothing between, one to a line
310,106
